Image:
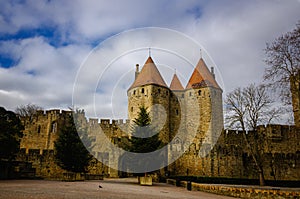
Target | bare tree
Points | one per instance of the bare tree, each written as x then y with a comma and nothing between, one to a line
283,60
27,110
246,109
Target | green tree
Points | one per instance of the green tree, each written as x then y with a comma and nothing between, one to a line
10,134
144,138
70,152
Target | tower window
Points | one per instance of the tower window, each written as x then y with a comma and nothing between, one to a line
39,129
190,93
182,95
199,92
167,92
53,127
134,92
176,111
131,109
158,90
143,90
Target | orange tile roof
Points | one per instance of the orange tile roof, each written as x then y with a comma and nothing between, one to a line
149,75
175,84
202,77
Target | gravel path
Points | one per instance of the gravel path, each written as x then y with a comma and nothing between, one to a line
112,189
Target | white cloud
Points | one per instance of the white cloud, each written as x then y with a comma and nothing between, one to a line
43,75
233,33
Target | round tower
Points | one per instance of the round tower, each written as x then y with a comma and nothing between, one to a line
150,90
203,91
177,107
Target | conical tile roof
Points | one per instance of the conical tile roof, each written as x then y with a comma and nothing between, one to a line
202,77
175,84
148,75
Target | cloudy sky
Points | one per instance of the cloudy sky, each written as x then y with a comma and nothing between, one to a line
58,53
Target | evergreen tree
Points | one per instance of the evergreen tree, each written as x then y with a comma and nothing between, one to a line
144,138
70,152
10,134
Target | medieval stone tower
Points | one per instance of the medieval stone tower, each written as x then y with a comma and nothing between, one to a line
203,98
150,90
195,108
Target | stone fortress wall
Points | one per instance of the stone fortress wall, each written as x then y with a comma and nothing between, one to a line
210,151
228,158
41,131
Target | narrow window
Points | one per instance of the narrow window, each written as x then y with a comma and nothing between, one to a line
190,93
143,90
176,111
182,95
53,127
158,90
199,92
39,129
167,92
134,92
131,109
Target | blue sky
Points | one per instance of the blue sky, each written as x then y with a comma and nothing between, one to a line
44,43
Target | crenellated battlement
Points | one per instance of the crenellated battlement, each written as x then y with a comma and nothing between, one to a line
41,129
270,131
44,114
114,122
283,143
107,122
52,112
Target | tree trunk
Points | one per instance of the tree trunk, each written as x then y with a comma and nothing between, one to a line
273,169
257,164
261,178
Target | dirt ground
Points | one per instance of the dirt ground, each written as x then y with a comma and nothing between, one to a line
111,189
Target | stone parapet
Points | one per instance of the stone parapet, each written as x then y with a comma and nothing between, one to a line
242,191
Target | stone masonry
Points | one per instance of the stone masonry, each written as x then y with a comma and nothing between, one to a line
189,120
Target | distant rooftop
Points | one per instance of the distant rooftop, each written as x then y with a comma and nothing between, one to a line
176,84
